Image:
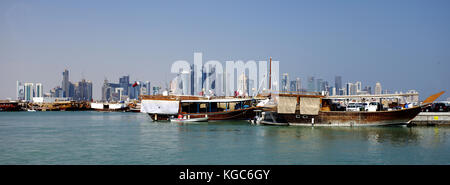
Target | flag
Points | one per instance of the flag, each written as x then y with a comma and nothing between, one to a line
135,84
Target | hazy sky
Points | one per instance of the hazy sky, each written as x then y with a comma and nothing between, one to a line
402,44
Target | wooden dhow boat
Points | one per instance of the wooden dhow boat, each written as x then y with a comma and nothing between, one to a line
163,108
314,110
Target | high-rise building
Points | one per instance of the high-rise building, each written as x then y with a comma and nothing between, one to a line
378,89
89,90
293,86
311,84
192,70
298,84
243,84
56,92
109,91
83,91
358,86
285,82
124,83
338,84
351,89
39,92
368,89
29,91
148,88
20,91
65,83
320,85
342,91
174,86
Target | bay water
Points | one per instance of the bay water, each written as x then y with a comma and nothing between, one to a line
118,138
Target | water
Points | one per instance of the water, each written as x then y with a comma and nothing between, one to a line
132,138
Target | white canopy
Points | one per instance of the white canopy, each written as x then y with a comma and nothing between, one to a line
215,101
309,106
287,105
160,106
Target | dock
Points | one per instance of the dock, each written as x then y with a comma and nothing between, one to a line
431,119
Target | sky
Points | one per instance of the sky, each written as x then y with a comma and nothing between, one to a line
402,44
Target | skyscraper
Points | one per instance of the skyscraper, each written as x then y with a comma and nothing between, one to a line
351,89
378,88
338,84
243,84
311,84
368,89
83,90
29,91
293,86
124,83
39,92
358,86
106,90
148,88
185,80
298,85
192,89
320,85
285,82
20,91
66,84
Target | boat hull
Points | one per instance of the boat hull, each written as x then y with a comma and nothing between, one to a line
192,120
344,118
111,110
242,114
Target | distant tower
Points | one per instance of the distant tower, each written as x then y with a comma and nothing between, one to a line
29,91
243,84
285,82
298,84
148,88
351,89
20,91
39,91
293,86
185,80
358,86
320,85
378,88
338,83
66,84
311,84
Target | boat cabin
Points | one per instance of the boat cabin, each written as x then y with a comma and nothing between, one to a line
214,105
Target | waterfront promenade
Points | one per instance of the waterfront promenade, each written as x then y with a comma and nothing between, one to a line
432,119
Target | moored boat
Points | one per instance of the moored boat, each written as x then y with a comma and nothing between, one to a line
185,120
109,107
314,110
162,108
9,106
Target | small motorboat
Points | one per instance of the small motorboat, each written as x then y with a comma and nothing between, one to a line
182,119
31,110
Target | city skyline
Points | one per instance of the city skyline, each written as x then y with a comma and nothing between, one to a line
127,90
404,47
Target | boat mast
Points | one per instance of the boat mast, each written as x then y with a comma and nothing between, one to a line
270,75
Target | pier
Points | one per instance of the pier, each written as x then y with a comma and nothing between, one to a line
431,119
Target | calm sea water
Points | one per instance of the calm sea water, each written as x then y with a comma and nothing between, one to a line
132,138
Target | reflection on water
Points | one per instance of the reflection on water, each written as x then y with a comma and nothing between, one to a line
131,138
395,135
